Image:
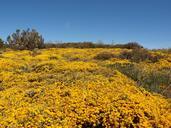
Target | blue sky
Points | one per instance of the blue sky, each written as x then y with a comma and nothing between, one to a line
121,21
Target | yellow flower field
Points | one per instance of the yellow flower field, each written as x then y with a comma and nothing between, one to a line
68,88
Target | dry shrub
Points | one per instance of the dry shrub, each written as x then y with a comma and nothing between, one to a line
104,56
25,40
138,55
130,45
35,52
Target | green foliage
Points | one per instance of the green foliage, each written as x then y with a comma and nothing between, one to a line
1,43
149,78
139,55
130,45
25,40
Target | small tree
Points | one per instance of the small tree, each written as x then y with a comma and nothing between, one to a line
25,40
1,43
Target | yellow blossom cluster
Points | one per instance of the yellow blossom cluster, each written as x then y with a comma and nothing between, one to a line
68,88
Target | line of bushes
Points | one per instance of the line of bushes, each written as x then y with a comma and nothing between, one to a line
30,39
130,45
135,55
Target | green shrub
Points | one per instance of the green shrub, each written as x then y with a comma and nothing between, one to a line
25,40
147,78
1,43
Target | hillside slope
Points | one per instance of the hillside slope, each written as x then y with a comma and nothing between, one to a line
71,88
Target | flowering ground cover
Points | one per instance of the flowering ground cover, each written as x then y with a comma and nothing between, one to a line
70,88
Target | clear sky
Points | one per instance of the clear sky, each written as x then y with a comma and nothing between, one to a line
121,21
